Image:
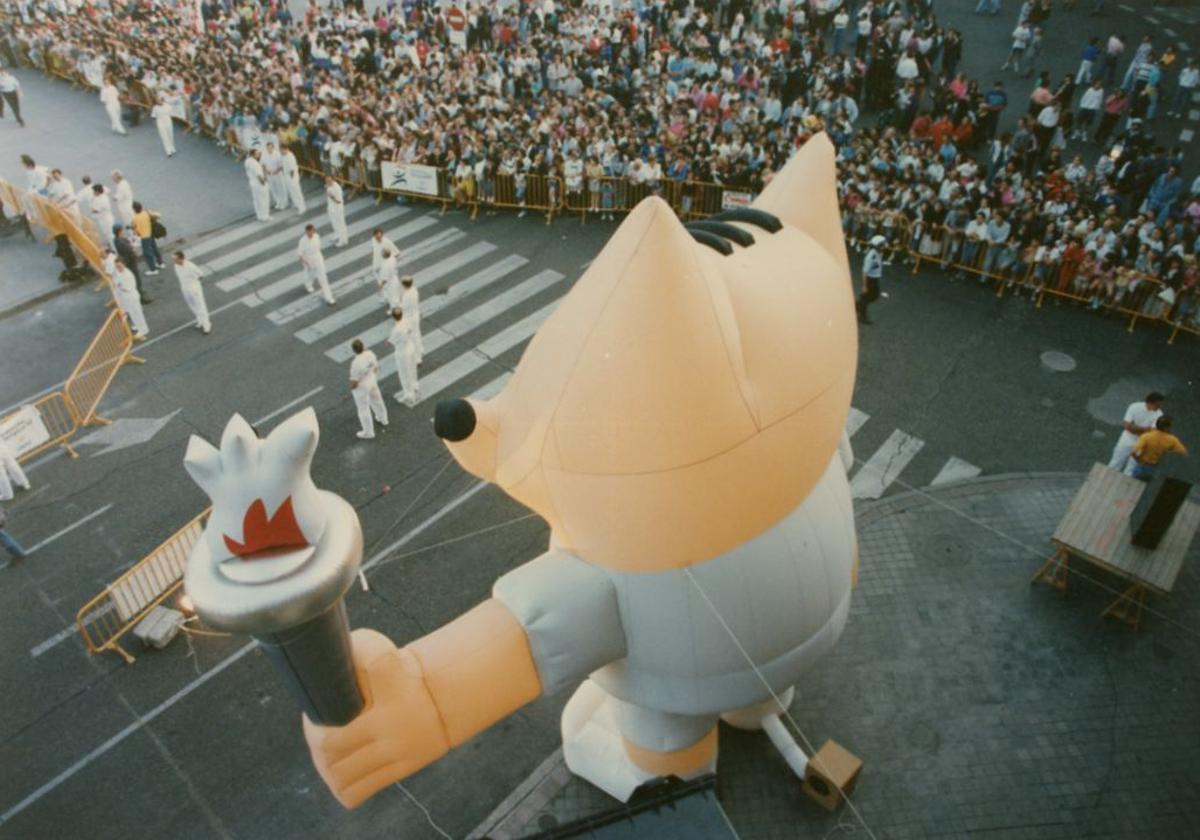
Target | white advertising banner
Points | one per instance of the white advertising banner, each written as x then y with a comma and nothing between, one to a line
24,430
410,177
730,199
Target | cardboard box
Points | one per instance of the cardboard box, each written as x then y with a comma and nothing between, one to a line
832,771
159,627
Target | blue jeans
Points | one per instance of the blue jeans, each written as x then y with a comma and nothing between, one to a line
11,545
150,252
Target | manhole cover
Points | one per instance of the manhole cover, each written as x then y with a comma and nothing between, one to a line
1057,361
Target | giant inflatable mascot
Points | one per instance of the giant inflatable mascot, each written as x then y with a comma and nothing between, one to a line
678,422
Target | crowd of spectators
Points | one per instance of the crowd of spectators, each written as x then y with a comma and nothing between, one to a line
1069,189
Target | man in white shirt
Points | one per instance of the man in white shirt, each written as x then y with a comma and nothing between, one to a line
365,389
122,199
410,302
1139,418
188,274
404,347
102,214
10,93
126,292
379,244
36,175
313,262
291,174
111,99
387,277
259,192
161,113
272,163
62,192
336,207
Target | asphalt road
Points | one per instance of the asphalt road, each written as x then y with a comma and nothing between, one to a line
199,740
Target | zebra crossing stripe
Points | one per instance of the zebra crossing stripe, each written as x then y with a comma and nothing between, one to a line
473,359
345,282
288,237
492,388
468,321
885,465
956,469
287,256
855,421
252,227
435,303
373,304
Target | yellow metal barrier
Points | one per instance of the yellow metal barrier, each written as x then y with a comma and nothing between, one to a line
529,192
100,362
103,620
58,416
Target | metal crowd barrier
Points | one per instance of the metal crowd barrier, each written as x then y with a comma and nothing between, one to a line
61,422
110,348
103,620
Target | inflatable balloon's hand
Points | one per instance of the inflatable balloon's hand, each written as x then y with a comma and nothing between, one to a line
398,732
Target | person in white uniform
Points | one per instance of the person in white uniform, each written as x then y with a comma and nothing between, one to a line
188,274
102,214
111,99
410,302
84,197
404,348
388,279
126,291
364,385
161,112
336,205
36,175
259,193
61,191
272,163
313,263
291,174
379,244
122,199
10,472
1139,418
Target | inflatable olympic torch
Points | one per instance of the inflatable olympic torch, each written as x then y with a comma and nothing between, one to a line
276,559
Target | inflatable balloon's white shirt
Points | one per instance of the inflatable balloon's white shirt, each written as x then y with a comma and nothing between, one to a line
679,424
276,556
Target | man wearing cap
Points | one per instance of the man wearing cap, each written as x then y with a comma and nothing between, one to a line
872,274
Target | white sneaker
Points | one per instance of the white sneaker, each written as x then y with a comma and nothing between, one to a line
365,435
398,397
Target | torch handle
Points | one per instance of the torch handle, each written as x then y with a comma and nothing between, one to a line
315,662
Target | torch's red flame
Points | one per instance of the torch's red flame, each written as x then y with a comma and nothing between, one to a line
260,533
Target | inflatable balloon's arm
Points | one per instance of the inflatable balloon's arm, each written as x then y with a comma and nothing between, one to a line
423,699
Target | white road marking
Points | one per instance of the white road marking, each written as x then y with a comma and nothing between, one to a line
883,467
1186,135
201,247
285,407
1125,8
457,291
855,421
343,286
1170,32
1194,114
1150,18
220,667
955,469
67,632
492,388
288,237
288,256
372,304
473,359
69,528
463,324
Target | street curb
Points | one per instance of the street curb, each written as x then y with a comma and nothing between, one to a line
38,298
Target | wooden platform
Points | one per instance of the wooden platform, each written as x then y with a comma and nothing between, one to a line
1096,529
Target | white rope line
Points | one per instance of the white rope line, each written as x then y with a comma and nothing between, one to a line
425,811
783,710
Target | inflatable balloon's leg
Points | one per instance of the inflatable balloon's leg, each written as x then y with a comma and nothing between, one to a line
618,746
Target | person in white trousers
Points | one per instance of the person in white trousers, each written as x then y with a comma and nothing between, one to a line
410,302
111,99
404,348
1139,418
102,214
122,199
364,386
10,472
313,263
272,162
291,173
336,206
259,192
61,191
188,274
379,244
126,291
161,113
389,280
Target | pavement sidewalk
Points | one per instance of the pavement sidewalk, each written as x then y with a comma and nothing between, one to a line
977,702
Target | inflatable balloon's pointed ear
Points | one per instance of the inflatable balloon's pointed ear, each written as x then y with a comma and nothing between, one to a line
471,431
804,194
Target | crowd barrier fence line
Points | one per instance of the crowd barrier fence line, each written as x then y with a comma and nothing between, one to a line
104,619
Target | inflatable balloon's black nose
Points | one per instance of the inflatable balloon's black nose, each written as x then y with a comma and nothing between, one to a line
453,420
